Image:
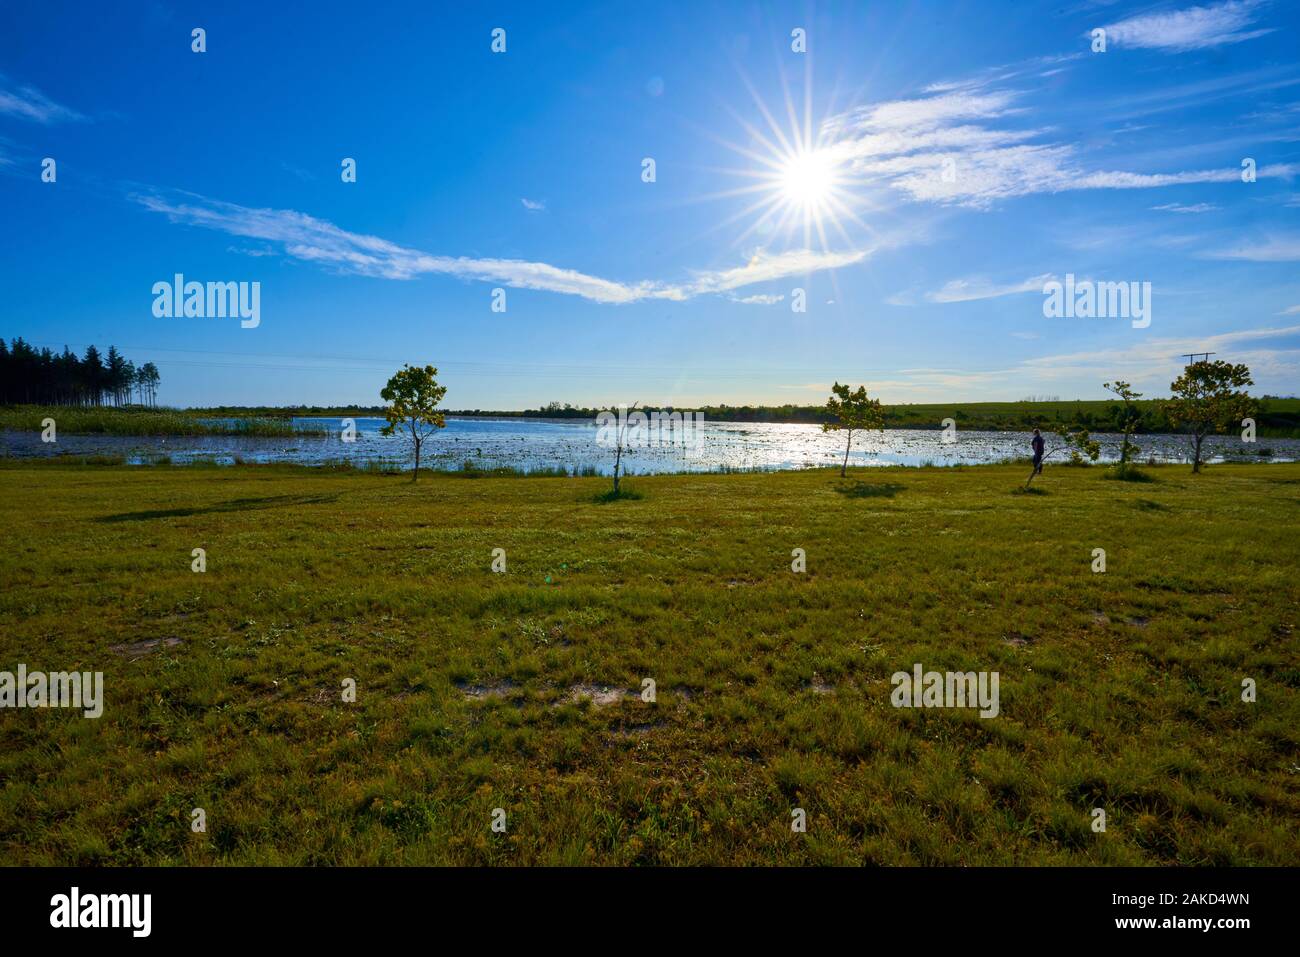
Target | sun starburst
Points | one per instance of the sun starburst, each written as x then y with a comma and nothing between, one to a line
801,179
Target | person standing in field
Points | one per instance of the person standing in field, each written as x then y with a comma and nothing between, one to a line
1038,444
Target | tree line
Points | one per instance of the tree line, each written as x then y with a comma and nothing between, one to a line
1277,417
31,377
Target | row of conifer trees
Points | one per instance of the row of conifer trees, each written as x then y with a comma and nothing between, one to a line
44,377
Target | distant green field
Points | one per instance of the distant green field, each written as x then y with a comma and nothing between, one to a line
1278,418
1119,691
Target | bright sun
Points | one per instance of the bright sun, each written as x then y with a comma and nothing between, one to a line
801,178
808,178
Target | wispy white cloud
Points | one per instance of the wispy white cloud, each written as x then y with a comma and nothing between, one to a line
1036,66
532,204
1152,348
761,299
1290,311
309,239
31,104
1193,208
1195,28
1270,249
766,267
1161,359
967,290
957,148
305,175
1149,363
807,387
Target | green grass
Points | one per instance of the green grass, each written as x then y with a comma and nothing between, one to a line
71,420
1118,690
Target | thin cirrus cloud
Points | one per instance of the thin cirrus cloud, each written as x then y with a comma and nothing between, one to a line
309,239
1270,249
1180,208
1149,363
1166,354
969,290
29,103
957,148
1194,28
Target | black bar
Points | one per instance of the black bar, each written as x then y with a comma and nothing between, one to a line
332,906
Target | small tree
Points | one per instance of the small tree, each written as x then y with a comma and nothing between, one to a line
1207,399
413,394
853,412
1079,444
622,439
1128,420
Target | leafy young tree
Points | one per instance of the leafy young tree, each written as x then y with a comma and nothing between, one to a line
622,441
412,394
1128,420
853,412
1209,397
1079,444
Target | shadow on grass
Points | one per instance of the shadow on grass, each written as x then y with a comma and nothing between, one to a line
1130,474
1146,505
861,489
612,496
1032,490
234,505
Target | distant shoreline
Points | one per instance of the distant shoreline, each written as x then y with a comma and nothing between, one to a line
1278,418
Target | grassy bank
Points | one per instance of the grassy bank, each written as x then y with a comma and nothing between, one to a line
475,691
71,420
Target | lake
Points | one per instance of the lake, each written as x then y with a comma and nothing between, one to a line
536,444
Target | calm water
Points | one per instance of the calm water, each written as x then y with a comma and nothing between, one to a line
531,444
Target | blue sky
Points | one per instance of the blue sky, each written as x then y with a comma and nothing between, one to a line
920,172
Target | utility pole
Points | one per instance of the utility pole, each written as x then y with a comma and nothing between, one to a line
1191,356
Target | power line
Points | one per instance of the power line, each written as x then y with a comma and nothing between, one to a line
379,363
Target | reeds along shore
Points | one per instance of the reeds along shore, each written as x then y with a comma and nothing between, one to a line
73,420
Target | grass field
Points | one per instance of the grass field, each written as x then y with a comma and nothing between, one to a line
520,691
